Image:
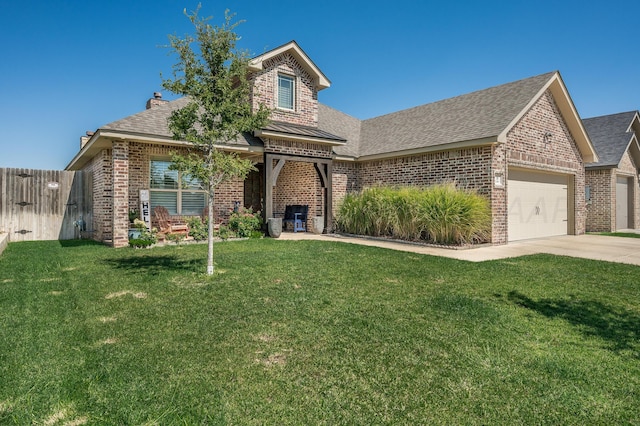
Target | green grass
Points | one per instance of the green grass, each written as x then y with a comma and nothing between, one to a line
620,234
307,332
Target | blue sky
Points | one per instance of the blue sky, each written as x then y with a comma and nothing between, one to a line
71,66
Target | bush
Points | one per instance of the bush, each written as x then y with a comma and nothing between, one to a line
146,238
198,230
439,214
244,222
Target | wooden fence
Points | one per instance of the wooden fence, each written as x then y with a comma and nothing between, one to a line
45,204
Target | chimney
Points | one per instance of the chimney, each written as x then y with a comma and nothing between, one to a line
156,100
85,139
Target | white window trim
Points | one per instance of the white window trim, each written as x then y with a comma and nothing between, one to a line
293,92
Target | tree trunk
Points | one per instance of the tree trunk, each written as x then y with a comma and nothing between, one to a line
210,236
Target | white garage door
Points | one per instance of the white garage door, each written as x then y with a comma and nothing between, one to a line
537,205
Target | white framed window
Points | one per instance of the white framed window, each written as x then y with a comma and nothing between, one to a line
286,91
187,198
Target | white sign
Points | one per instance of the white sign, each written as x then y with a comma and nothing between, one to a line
53,185
145,207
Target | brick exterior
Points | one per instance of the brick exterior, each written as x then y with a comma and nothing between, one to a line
526,147
601,215
302,149
601,211
298,183
120,170
100,169
120,173
265,89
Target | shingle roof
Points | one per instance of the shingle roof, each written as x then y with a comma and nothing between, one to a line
474,116
609,136
154,122
338,123
482,114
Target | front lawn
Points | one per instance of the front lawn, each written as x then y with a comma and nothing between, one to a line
308,332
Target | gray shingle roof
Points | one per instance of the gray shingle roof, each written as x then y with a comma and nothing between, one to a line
474,116
609,136
338,123
153,122
482,114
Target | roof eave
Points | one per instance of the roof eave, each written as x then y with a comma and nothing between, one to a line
428,149
262,133
103,139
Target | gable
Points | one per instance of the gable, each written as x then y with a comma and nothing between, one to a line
542,137
257,64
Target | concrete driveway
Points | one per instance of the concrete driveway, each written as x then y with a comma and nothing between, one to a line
597,247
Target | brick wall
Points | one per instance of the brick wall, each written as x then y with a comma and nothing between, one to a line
120,170
345,181
303,149
100,169
265,91
601,216
298,183
526,147
601,212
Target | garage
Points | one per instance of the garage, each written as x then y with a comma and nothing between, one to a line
622,203
537,204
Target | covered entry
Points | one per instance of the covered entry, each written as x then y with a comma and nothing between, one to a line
537,204
320,167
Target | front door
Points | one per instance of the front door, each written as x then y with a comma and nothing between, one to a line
253,188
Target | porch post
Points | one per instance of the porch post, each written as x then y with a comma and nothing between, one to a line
328,217
268,186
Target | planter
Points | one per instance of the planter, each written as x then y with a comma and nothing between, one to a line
274,226
134,233
317,224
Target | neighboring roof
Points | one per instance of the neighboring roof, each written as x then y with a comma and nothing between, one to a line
612,135
322,82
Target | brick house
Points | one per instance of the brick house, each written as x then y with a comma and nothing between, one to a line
522,145
612,183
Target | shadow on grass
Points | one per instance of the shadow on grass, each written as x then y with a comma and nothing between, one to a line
79,243
620,328
156,264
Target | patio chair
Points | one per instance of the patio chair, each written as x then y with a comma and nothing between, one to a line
167,224
296,215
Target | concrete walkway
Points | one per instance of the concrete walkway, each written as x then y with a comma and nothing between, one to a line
597,247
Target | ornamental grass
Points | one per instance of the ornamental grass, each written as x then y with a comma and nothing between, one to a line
439,214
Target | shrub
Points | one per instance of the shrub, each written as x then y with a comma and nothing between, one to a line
146,238
176,237
244,222
197,228
439,214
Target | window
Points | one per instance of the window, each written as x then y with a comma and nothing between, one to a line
185,199
286,91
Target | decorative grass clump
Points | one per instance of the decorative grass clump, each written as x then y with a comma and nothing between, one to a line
439,214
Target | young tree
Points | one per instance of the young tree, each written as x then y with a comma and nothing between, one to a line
213,74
